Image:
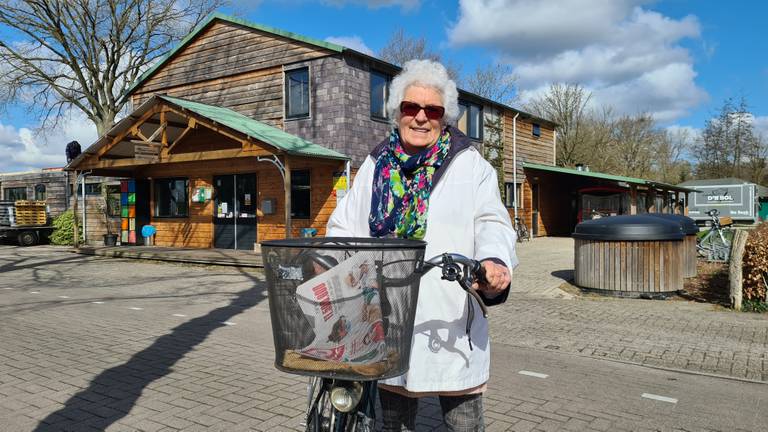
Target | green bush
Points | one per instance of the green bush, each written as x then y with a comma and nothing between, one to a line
64,229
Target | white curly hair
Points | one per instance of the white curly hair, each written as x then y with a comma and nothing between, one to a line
424,73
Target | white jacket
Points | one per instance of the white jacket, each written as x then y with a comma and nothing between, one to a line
465,216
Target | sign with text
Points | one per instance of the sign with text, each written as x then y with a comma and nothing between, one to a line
736,201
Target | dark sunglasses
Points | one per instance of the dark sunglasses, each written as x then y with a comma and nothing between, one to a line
411,109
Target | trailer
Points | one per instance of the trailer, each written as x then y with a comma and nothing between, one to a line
24,222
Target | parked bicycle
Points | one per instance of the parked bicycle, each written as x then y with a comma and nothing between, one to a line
715,245
521,229
343,313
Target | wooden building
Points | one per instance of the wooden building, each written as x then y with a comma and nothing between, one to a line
245,133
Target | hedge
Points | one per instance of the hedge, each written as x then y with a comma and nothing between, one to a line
755,264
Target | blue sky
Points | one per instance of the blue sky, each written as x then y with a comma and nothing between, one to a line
677,59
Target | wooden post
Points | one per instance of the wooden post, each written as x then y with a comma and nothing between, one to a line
685,204
665,205
652,198
735,272
633,199
677,203
74,210
287,186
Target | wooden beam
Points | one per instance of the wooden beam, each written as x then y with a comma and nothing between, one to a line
633,199
164,125
191,124
652,197
183,157
212,126
76,225
287,188
119,137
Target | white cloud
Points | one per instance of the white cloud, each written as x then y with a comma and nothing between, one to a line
627,56
761,125
28,150
354,42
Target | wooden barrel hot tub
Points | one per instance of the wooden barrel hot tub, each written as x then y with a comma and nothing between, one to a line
632,256
689,228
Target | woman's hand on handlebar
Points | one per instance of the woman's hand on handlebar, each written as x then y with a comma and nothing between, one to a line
497,279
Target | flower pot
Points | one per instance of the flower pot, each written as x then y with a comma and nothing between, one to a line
110,239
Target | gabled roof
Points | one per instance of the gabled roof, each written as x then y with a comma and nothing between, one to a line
604,176
263,132
221,17
233,120
300,38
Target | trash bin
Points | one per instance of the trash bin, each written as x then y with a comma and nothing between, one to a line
148,232
633,256
690,229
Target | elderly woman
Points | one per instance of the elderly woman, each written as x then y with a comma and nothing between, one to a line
426,181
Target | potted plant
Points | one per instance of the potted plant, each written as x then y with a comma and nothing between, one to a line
110,238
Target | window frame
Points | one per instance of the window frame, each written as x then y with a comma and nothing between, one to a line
301,188
6,193
509,198
387,82
536,130
112,200
465,109
156,202
286,93
41,190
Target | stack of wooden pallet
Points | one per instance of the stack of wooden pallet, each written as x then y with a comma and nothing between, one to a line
7,213
30,213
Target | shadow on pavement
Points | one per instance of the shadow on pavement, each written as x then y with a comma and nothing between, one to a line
566,275
114,392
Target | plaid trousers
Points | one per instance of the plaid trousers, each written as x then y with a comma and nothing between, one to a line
460,413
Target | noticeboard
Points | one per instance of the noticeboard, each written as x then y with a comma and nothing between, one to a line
736,201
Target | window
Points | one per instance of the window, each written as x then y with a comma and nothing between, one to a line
379,92
15,194
297,93
536,130
509,197
40,192
300,204
113,200
172,197
471,120
90,189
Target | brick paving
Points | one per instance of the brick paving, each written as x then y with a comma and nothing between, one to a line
107,344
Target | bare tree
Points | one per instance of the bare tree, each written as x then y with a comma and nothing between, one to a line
634,141
400,48
729,146
669,165
86,53
495,82
566,105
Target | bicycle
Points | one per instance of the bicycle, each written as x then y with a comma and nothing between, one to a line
521,229
370,286
715,245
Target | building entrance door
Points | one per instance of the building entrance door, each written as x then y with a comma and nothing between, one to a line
535,208
234,214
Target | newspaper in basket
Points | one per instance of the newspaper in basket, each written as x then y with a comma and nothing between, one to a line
343,308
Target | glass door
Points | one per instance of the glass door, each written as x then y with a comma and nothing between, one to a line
224,212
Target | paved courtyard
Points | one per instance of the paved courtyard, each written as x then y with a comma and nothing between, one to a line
108,344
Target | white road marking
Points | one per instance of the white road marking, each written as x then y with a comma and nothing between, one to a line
659,398
533,374
179,315
229,323
64,297
34,292
7,288
135,308
97,302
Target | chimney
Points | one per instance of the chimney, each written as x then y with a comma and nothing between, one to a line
579,167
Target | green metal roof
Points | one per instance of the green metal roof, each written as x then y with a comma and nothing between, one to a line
219,16
273,136
612,177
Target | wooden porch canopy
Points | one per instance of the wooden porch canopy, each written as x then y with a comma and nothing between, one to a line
630,182
156,132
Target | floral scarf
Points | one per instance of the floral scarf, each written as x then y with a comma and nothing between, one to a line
402,184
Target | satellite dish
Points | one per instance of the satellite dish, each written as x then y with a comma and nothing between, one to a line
72,150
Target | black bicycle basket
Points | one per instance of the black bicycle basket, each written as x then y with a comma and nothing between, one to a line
343,307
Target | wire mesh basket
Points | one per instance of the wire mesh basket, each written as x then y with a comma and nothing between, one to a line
343,307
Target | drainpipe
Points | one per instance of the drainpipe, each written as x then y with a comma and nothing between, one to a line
81,178
554,149
514,159
347,172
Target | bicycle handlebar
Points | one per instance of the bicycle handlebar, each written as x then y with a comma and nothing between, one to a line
465,271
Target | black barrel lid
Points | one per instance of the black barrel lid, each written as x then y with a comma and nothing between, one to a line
629,228
687,224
